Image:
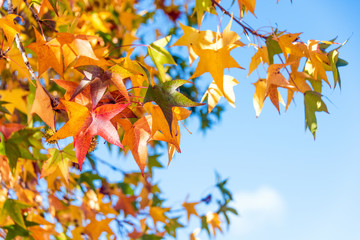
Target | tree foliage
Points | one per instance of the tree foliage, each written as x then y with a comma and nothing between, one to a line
72,71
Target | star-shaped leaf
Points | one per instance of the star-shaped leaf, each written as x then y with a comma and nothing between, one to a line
166,96
42,106
160,56
136,137
100,125
313,103
190,208
214,62
48,53
213,93
9,27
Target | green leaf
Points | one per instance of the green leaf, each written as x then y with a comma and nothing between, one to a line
273,48
172,226
2,108
204,224
2,145
53,4
313,103
14,231
160,56
202,6
13,209
166,96
12,154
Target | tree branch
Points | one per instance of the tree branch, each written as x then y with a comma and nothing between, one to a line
247,29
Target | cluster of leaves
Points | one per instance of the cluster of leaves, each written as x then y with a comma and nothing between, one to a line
83,74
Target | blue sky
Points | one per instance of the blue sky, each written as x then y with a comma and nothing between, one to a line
286,185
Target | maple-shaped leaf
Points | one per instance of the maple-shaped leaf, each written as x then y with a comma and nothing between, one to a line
298,80
160,56
61,159
260,96
7,24
98,79
82,98
214,94
214,221
136,137
83,125
9,128
79,118
195,38
158,214
215,61
317,62
202,6
260,56
190,208
248,4
275,79
125,203
229,38
15,98
273,47
313,103
166,96
100,125
286,43
95,227
48,53
43,106
13,209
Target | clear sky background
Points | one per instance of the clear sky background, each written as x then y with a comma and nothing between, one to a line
285,184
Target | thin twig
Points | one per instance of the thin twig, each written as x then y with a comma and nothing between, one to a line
20,45
247,29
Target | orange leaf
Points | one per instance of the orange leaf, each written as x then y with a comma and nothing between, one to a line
42,106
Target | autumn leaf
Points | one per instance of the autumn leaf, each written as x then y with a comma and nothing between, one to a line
275,79
95,227
160,56
190,209
195,38
48,53
15,99
79,118
7,24
249,5
214,62
61,159
166,96
260,96
136,137
13,208
313,103
214,221
158,214
42,106
83,98
261,55
214,94
9,128
125,203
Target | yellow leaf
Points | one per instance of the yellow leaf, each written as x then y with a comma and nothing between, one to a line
15,99
214,62
190,209
214,94
214,221
158,214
